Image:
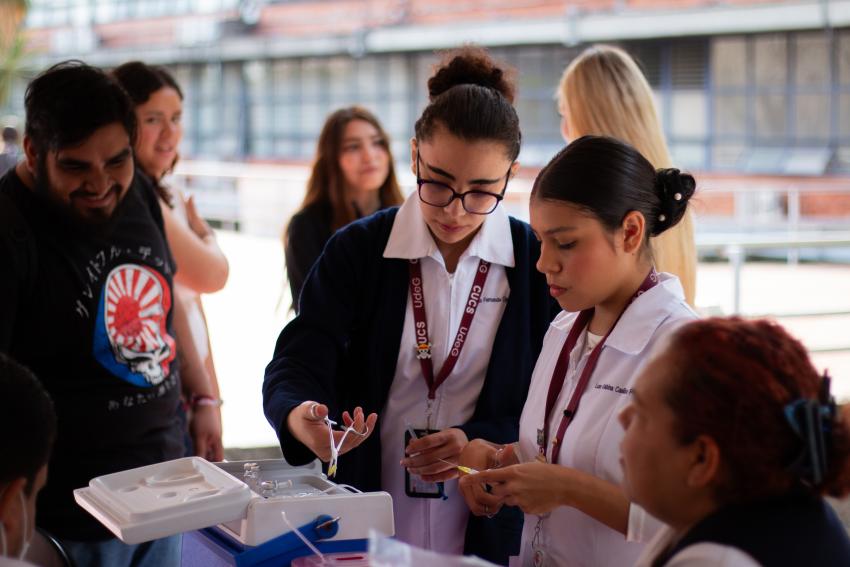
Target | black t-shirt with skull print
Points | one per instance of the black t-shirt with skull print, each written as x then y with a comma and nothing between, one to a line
89,310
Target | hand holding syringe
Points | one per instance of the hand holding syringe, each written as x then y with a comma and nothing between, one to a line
418,462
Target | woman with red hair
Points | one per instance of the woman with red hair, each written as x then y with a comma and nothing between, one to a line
732,439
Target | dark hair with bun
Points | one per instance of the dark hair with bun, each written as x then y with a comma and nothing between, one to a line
732,380
609,179
472,97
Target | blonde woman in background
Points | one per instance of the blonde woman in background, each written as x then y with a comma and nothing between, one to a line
603,92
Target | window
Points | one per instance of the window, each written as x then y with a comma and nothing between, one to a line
812,117
260,108
756,101
777,94
811,60
770,114
729,62
183,75
368,80
340,91
689,114
727,156
771,60
730,115
844,115
843,38
539,71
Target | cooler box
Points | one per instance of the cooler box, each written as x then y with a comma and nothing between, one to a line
243,501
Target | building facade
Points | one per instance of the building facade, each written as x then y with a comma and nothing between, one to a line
742,86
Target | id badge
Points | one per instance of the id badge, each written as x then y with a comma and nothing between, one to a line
414,486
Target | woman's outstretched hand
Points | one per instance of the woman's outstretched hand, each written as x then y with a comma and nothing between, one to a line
307,424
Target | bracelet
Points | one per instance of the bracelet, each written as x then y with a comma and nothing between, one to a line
206,401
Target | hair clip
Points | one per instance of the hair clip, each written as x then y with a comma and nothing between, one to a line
662,218
812,421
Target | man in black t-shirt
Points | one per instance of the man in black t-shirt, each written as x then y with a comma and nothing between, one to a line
86,301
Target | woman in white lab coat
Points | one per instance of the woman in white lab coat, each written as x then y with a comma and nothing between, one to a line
593,207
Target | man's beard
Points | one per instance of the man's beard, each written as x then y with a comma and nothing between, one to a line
94,225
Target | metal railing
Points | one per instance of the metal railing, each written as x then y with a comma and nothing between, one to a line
735,247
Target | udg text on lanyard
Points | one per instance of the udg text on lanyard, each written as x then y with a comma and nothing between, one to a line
423,346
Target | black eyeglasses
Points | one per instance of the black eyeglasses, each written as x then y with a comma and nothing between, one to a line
438,194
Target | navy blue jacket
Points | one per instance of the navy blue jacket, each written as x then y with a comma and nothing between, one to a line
343,346
795,529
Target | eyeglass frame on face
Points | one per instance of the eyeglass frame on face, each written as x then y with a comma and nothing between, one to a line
462,196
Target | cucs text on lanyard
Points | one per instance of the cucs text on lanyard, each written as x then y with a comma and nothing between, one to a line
423,346
560,373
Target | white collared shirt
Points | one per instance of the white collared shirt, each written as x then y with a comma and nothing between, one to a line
433,523
592,442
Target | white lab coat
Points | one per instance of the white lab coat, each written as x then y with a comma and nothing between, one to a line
592,441
432,523
703,554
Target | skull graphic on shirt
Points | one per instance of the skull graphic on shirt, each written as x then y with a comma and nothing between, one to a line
136,303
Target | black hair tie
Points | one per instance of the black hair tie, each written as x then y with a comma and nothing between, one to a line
812,421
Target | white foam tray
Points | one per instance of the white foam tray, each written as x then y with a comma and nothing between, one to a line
164,499
189,494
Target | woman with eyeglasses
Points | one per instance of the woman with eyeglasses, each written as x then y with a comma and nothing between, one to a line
430,315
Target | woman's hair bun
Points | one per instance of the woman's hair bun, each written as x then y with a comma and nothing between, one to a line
471,66
674,190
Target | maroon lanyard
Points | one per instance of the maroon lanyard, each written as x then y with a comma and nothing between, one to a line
560,373
423,346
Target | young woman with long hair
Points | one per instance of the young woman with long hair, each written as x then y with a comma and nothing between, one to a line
353,176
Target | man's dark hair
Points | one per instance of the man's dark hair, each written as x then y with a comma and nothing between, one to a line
27,423
69,101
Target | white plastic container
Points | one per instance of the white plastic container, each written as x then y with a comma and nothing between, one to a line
311,494
188,494
164,499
